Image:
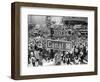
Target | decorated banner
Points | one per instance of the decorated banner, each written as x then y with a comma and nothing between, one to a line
59,45
61,31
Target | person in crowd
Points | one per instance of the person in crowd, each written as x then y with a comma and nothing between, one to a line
67,57
76,60
41,58
33,59
75,51
37,56
85,51
30,49
81,57
63,57
52,54
71,56
58,58
29,55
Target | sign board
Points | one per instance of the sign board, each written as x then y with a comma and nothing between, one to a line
61,31
59,45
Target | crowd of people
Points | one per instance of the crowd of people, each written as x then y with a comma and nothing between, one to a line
38,55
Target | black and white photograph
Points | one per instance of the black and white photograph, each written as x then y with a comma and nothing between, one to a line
57,40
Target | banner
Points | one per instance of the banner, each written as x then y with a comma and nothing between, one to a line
59,45
61,31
